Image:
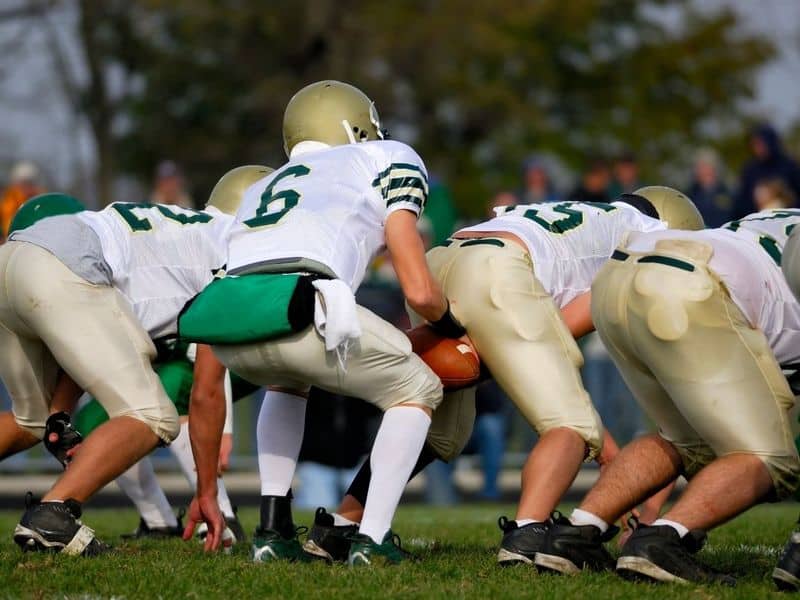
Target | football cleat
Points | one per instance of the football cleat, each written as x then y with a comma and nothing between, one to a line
55,527
787,574
269,545
364,552
327,541
156,533
520,544
658,553
569,549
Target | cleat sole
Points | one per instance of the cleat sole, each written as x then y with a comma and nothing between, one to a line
557,564
785,581
637,567
507,558
316,552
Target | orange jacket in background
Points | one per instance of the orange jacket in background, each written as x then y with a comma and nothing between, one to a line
13,197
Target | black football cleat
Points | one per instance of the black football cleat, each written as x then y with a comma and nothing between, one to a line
326,541
658,553
569,549
55,527
787,574
520,544
144,531
235,527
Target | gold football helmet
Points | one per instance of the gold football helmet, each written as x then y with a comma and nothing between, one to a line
227,194
673,207
331,112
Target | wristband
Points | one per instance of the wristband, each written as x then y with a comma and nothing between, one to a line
448,326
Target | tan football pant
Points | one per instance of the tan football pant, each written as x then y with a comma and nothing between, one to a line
518,331
49,317
706,378
380,368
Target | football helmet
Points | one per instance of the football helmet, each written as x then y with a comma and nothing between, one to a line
44,205
331,112
227,193
673,207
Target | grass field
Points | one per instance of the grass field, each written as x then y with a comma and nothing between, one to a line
456,547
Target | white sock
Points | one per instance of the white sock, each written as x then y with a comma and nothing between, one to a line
394,454
681,529
181,449
281,422
581,517
140,484
523,522
339,520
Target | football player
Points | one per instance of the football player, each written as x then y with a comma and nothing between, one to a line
303,239
519,283
86,293
698,323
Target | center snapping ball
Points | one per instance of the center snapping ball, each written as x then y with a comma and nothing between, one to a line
454,361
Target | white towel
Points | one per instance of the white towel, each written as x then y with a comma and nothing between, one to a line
335,317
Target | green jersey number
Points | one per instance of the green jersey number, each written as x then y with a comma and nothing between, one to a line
290,198
126,211
573,216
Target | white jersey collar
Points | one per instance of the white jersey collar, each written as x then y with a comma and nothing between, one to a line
307,146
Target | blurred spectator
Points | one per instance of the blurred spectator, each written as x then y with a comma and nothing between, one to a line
773,193
769,161
499,200
626,175
23,183
536,185
594,183
440,212
712,197
170,186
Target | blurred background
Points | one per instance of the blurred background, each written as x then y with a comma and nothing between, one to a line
510,101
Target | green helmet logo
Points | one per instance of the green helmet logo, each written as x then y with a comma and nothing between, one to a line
44,205
331,112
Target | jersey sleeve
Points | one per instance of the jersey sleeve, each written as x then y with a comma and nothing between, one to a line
403,182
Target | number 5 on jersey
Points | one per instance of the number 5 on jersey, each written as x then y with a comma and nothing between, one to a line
290,199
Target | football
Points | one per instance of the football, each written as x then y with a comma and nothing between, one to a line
454,361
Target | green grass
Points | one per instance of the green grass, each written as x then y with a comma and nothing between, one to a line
456,547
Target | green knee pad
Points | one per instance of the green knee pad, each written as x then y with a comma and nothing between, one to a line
176,376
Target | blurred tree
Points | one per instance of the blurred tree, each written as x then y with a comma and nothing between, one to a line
474,86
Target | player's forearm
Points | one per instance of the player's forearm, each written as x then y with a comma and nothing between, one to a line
66,394
206,421
578,315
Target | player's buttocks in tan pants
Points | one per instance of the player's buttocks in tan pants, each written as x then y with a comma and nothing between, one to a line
518,331
50,317
707,378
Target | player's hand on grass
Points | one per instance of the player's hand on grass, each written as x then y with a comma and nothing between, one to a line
225,449
205,509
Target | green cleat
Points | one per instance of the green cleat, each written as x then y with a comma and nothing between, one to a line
269,545
364,552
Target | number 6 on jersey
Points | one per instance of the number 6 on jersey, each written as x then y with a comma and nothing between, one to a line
268,199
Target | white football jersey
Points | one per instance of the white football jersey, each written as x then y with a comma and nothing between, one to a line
328,205
160,256
747,255
569,241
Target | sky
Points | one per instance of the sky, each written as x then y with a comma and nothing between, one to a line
37,123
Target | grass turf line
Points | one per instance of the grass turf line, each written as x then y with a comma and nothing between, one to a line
456,546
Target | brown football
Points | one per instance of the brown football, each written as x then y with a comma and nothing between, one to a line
454,361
